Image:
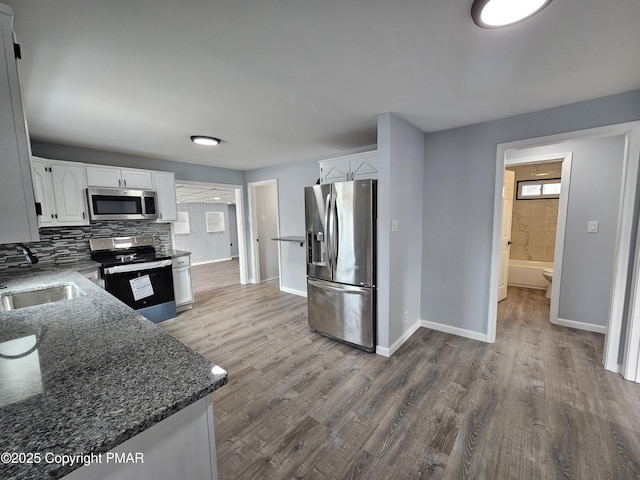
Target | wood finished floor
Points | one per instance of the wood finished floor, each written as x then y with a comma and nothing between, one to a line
537,404
211,276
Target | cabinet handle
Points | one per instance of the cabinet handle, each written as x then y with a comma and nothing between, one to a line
56,215
160,216
119,182
124,181
83,216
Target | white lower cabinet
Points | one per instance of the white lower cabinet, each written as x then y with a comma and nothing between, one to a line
182,288
181,446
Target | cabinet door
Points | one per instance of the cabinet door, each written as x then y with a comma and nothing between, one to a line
334,170
68,188
364,167
43,191
101,176
18,220
182,285
165,187
132,178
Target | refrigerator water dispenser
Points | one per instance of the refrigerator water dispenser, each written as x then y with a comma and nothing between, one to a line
316,248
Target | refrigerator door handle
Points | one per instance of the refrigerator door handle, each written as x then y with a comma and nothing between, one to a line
336,287
336,234
332,239
327,229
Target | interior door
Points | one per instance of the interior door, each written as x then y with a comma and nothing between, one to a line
505,238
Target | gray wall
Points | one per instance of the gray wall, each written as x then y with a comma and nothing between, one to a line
459,183
401,159
205,246
292,178
183,171
594,194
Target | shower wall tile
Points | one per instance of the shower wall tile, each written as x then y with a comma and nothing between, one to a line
542,239
534,222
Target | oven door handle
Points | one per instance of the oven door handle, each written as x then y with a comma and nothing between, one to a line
136,267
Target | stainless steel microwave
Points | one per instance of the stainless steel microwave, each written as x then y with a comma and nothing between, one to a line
121,204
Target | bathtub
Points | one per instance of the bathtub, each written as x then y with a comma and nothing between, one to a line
528,273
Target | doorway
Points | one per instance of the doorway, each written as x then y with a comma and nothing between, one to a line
540,190
615,267
210,225
264,225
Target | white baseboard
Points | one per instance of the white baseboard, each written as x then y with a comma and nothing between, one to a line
387,352
461,332
301,293
589,327
212,261
382,351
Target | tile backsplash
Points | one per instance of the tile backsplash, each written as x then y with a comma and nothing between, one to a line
60,245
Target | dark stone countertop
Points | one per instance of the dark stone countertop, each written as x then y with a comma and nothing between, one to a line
100,374
82,266
173,253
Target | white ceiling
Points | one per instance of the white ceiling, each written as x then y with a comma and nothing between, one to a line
283,80
186,193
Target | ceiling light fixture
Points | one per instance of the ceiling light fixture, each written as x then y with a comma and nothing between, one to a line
502,13
205,140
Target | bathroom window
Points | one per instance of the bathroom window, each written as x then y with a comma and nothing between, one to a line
538,189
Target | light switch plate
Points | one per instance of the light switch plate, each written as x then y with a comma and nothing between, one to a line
394,225
592,226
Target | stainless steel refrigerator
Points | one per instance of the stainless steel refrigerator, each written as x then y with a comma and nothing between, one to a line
341,260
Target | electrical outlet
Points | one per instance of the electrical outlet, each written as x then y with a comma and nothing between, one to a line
406,316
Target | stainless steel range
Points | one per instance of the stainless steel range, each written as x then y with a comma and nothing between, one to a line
134,273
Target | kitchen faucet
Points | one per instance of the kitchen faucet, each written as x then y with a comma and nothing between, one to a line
28,254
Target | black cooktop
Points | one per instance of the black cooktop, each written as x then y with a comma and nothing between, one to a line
110,258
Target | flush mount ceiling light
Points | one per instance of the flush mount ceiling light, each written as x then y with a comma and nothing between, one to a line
205,140
502,13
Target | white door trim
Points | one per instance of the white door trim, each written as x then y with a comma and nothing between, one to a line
253,228
630,367
631,130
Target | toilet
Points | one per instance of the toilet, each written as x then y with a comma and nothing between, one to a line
548,274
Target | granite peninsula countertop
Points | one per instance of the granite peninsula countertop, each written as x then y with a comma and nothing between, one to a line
84,375
173,253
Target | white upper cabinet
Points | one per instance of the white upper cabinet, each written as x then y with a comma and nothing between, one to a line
60,192
351,167
18,221
165,187
115,177
132,178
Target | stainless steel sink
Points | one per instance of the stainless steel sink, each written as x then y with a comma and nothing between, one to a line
30,298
